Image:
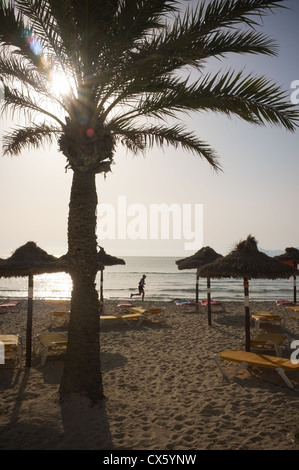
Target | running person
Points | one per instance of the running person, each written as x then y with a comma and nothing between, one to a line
141,287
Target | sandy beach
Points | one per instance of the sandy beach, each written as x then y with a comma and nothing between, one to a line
162,387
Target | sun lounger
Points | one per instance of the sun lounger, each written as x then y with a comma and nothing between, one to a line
284,302
246,359
123,318
274,341
153,311
59,319
133,313
213,303
139,310
204,303
45,341
145,313
185,303
266,317
12,305
293,308
10,343
124,304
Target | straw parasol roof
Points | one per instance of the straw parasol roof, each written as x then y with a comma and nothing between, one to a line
203,256
27,261
290,257
106,260
247,262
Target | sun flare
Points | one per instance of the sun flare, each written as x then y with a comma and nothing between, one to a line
60,84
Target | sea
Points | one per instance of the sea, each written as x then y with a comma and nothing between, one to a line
164,282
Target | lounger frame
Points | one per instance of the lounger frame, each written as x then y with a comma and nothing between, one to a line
244,364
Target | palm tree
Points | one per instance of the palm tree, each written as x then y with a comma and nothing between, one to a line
125,61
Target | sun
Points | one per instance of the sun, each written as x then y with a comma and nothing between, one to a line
60,84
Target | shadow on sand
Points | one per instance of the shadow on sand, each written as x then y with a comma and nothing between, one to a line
35,420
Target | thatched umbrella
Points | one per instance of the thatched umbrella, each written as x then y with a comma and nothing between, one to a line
290,257
247,262
106,260
27,261
203,256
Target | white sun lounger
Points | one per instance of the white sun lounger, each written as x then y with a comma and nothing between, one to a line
10,343
45,341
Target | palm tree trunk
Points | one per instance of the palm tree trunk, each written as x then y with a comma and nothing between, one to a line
82,369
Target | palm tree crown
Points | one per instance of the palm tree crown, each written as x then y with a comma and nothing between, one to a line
123,61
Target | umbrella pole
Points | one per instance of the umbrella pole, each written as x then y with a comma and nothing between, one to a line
101,288
197,281
29,321
247,316
209,301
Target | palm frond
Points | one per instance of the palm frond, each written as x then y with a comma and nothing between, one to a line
238,42
227,13
202,34
54,50
13,70
15,32
15,100
143,137
34,136
187,43
254,99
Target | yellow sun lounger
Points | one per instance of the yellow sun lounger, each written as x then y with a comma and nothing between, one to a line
133,313
246,359
59,319
123,318
270,341
10,343
45,341
145,314
294,308
266,317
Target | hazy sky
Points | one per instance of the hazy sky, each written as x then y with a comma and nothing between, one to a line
256,193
